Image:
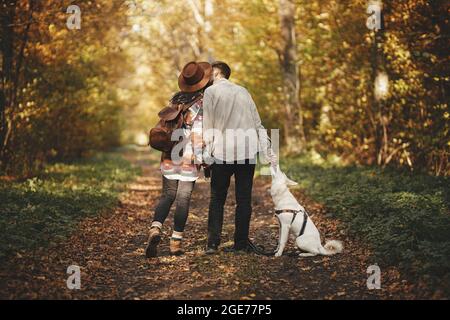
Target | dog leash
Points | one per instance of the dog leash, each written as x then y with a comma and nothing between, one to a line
260,250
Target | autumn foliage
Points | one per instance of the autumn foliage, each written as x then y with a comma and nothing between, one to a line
364,128
58,93
310,65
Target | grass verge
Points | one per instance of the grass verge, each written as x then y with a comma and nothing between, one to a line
404,217
44,209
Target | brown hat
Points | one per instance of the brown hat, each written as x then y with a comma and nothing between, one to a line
195,76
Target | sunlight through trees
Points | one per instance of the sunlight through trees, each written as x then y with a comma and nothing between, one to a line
311,66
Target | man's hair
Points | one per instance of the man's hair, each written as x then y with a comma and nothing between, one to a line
225,69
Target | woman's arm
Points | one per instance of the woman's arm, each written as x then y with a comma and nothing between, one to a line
197,135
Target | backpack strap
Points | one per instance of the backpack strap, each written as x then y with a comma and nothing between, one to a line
186,106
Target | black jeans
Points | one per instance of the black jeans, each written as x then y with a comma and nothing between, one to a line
180,193
220,181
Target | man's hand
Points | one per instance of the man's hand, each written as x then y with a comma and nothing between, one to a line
273,159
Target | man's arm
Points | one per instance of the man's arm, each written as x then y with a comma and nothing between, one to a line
264,140
208,126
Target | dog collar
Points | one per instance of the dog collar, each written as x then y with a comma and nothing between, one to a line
287,210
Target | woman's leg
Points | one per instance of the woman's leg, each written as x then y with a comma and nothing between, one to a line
168,195
182,201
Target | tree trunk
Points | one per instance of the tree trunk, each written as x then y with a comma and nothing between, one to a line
209,12
293,131
380,130
11,70
202,48
7,15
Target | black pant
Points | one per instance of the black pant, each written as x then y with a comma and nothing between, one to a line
220,181
180,192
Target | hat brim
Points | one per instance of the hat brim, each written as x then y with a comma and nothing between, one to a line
184,87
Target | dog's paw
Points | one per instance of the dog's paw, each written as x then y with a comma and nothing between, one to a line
278,254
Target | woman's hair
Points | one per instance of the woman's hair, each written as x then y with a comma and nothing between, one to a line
186,97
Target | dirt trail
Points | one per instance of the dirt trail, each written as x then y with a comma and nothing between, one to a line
110,251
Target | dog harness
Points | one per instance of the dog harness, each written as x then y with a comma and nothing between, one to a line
295,212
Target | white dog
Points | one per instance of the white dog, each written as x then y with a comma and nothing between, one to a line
295,220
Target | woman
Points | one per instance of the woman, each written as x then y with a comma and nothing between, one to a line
179,173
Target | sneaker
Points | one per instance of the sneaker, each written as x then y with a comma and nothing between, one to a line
176,247
153,241
212,249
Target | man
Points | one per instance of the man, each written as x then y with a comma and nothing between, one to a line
233,136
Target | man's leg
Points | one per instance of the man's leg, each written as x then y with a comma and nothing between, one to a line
220,181
243,176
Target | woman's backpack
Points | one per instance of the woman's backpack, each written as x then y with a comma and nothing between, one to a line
171,118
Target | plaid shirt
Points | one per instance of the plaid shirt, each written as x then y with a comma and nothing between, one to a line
187,167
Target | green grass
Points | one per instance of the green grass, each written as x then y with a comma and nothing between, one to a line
41,210
405,217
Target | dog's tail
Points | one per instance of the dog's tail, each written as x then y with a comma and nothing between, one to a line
331,247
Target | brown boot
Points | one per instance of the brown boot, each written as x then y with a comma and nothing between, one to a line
153,240
176,247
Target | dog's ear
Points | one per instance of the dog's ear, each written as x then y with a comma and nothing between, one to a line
288,181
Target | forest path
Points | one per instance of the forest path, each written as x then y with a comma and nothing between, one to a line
109,249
